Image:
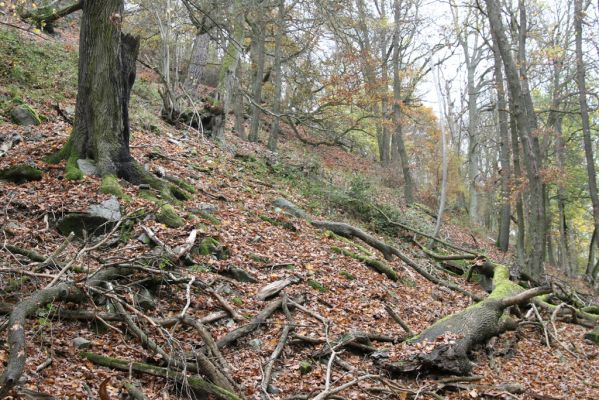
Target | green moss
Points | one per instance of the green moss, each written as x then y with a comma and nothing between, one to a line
237,301
260,259
182,184
61,154
207,216
110,185
314,284
305,367
373,263
208,246
73,173
21,173
278,222
362,249
347,275
169,217
593,336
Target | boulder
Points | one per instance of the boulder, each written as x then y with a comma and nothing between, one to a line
87,167
21,173
99,219
24,116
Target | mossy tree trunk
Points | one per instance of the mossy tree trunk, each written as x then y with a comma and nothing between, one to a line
107,60
451,338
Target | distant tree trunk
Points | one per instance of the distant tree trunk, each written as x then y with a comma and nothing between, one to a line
586,129
521,233
385,140
399,140
443,115
238,104
526,124
503,236
258,43
276,107
473,150
197,63
107,60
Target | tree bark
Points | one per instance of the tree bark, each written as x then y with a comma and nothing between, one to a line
107,60
197,63
526,124
276,107
258,44
398,136
584,115
503,236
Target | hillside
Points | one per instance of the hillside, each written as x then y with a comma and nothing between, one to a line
193,269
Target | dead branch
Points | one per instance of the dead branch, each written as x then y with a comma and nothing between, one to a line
194,382
255,323
398,319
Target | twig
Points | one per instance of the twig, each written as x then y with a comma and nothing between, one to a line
538,316
226,305
289,326
398,319
188,296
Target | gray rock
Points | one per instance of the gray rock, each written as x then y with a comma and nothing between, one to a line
255,343
82,343
207,208
87,167
23,116
109,209
99,219
290,208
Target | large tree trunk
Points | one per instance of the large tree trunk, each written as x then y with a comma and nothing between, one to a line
503,236
398,136
197,63
584,115
107,60
526,124
258,48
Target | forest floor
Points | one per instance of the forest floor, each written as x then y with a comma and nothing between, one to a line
239,183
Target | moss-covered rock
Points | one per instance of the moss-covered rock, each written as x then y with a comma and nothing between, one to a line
168,216
25,115
21,173
208,246
110,185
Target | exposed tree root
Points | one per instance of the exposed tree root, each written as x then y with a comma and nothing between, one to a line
349,231
255,323
18,317
193,382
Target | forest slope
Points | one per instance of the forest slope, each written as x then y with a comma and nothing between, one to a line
239,229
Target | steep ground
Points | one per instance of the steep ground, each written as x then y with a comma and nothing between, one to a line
242,181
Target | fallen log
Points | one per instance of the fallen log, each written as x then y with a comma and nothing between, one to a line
449,340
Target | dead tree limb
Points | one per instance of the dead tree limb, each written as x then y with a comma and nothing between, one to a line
194,382
254,324
44,17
